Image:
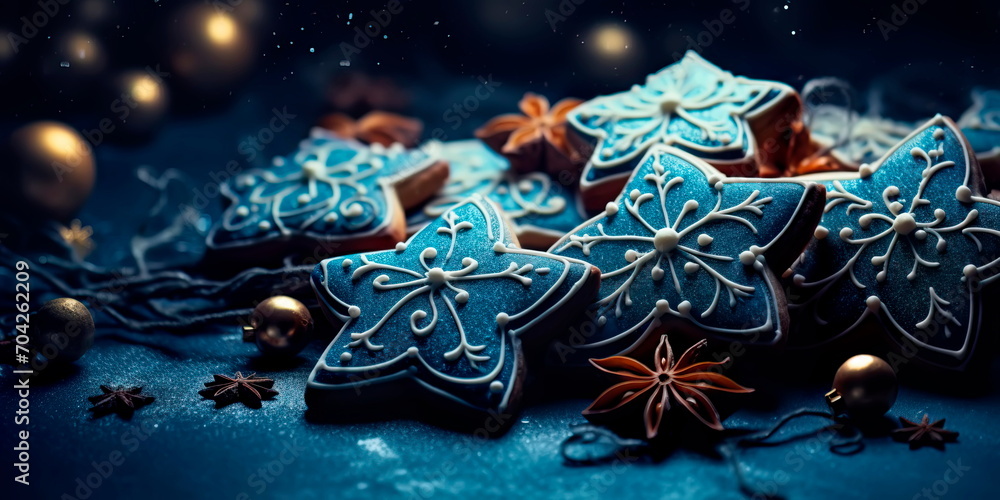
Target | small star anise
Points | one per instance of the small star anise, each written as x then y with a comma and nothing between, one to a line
925,433
249,390
119,400
681,382
535,140
376,127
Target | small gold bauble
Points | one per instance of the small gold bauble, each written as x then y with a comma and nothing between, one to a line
142,100
63,330
210,49
52,167
864,387
280,326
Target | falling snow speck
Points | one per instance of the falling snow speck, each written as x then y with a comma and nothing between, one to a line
312,49
793,32
64,64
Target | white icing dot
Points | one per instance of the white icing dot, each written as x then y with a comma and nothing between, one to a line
462,297
354,311
242,211
691,205
719,185
798,279
499,248
691,267
865,170
346,263
904,224
606,153
662,306
345,357
890,191
278,161
759,265
846,233
705,240
354,210
873,303
436,276
542,270
865,220
330,217
920,234
611,208
264,225
895,207
666,239
939,134
747,258
714,179
657,273
401,246
963,194
502,319
631,255
821,232
313,169
413,351
603,320
684,308
303,199
970,270
880,277
917,152
939,213
496,386
634,194
429,253
468,261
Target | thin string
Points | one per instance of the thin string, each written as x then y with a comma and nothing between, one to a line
759,439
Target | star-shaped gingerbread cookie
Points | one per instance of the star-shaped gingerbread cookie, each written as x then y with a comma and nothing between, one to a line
906,245
734,123
332,193
438,321
687,248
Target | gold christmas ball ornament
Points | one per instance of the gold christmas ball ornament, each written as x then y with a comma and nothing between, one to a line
210,48
51,168
864,387
63,330
140,101
280,326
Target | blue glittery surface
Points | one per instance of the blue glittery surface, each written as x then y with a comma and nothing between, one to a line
690,104
534,202
911,241
684,244
448,308
329,188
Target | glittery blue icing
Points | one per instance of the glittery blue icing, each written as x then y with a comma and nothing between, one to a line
908,239
683,243
981,122
690,104
446,309
533,202
329,188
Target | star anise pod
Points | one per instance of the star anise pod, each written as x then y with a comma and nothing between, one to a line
119,399
249,390
535,140
924,433
681,382
375,127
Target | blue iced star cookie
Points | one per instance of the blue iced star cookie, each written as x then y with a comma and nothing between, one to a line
909,240
445,312
686,247
540,208
332,191
851,139
981,126
732,122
